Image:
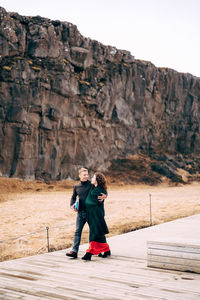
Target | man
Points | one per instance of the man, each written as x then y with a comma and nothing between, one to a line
81,191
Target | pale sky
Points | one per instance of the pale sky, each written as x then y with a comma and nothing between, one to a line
165,32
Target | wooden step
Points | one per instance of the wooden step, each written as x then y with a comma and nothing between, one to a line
177,255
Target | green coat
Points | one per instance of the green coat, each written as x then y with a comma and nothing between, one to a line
95,215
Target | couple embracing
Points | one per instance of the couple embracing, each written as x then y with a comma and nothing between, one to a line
90,209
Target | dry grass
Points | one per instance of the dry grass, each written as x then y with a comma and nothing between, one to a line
32,206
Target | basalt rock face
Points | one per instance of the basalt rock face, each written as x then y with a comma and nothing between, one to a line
68,101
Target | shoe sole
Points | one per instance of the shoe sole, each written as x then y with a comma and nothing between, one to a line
74,257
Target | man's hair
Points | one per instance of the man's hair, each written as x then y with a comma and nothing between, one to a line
82,170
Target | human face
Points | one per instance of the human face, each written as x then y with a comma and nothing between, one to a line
94,180
83,176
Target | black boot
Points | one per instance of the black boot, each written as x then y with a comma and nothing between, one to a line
107,253
100,255
87,256
72,254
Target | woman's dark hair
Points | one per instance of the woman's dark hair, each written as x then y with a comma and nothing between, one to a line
101,180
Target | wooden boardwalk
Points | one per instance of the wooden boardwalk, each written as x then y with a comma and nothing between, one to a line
124,275
55,276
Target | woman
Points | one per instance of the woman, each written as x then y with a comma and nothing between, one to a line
95,218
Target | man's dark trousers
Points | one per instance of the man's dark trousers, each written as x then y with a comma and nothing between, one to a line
80,222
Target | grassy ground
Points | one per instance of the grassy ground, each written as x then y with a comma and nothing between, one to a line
27,208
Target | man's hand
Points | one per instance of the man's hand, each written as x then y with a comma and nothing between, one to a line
72,207
102,197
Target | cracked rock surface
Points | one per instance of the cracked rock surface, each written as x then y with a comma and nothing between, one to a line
67,101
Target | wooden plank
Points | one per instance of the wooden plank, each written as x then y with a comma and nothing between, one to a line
105,294
46,291
178,254
57,277
114,267
154,293
173,248
163,265
175,260
11,295
78,282
176,242
84,284
62,274
118,269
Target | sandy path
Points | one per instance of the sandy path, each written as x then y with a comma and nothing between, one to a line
127,208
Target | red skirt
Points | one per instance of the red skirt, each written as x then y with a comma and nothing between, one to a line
95,248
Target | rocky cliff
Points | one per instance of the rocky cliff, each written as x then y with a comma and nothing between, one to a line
68,101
